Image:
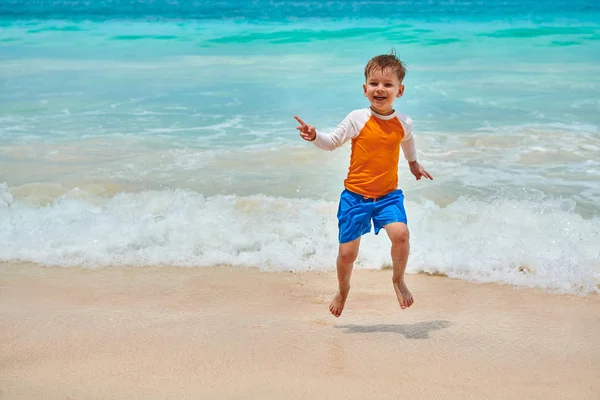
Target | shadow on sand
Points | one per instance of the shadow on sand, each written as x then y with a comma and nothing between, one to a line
410,331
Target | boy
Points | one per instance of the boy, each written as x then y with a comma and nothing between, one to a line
371,186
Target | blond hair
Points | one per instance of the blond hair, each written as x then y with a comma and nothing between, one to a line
387,61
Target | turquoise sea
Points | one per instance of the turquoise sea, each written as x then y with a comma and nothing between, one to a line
162,133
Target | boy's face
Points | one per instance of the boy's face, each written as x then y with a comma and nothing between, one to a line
382,88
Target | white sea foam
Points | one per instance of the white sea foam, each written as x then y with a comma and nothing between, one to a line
537,243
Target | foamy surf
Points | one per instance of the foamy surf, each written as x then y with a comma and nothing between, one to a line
538,242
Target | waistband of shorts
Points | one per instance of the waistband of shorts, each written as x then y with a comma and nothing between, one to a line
366,198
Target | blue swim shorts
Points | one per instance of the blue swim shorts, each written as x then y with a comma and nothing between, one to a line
355,213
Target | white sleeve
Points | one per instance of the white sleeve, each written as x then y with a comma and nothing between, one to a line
408,142
345,131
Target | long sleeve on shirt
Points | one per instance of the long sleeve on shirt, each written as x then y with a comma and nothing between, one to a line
345,131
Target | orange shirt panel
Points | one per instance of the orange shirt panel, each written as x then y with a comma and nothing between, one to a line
373,170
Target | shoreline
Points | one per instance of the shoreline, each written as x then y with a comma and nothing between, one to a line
223,332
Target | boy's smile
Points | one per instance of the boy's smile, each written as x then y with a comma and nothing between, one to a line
382,88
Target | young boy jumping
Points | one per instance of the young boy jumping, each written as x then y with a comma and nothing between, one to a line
371,187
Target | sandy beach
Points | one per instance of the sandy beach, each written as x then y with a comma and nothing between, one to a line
225,333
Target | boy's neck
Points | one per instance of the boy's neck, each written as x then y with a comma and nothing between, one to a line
382,113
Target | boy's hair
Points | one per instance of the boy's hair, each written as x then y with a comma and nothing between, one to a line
385,61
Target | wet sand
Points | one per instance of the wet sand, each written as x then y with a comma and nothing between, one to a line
230,333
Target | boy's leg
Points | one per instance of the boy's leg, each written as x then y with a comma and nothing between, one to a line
399,236
354,220
345,262
391,215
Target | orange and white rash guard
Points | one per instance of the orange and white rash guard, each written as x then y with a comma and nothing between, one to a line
376,142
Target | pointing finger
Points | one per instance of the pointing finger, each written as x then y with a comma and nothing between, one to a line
299,120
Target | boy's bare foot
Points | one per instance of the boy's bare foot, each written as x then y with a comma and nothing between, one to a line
338,301
404,296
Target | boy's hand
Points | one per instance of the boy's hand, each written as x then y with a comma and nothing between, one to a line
418,171
307,132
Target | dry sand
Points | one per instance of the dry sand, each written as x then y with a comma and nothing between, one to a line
230,333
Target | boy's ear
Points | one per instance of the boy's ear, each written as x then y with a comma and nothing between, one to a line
400,91
365,90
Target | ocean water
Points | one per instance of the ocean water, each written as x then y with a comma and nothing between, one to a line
162,133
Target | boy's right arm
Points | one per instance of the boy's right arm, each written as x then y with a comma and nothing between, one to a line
344,132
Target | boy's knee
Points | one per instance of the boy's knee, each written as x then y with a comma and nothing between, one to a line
348,256
400,236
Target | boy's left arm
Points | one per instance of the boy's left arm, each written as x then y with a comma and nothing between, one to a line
410,153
